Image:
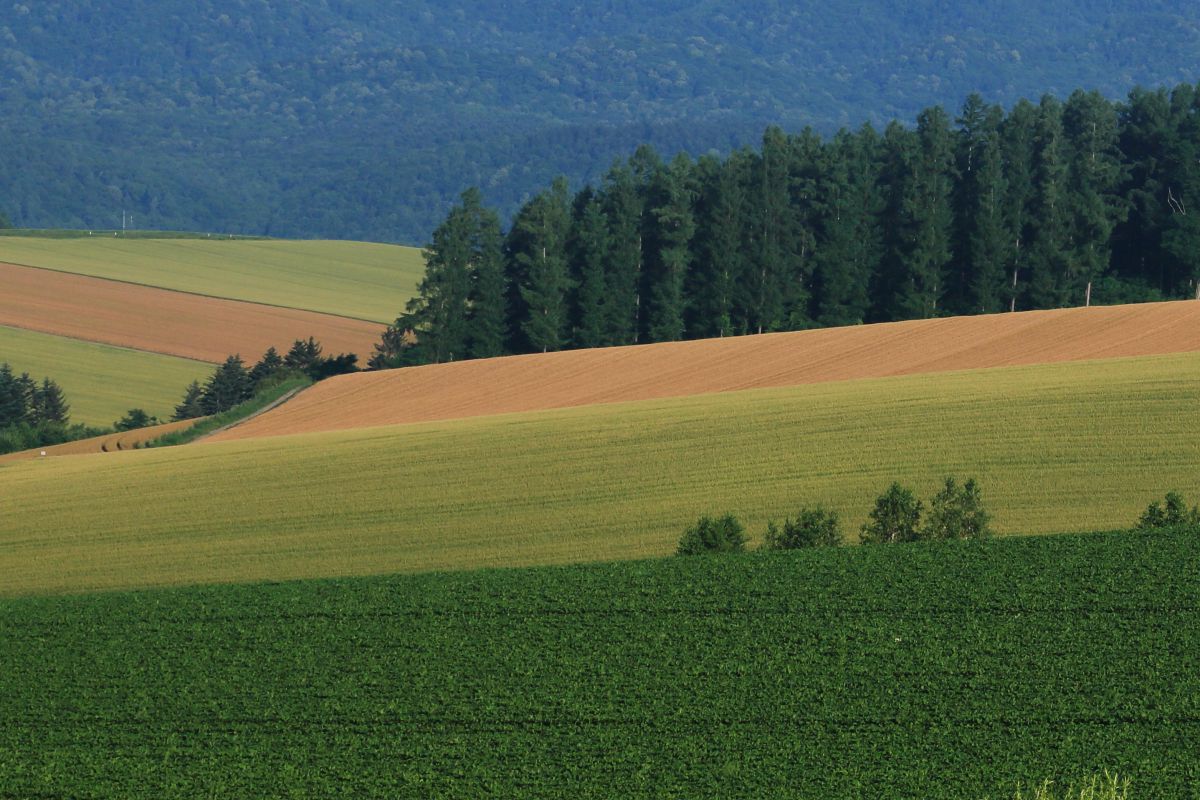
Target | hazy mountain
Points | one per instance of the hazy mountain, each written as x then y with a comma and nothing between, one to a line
349,118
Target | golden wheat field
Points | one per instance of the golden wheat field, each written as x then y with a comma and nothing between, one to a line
1065,447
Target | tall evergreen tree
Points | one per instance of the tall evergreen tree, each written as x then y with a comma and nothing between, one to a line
270,364
50,404
542,228
983,237
1050,232
624,206
1181,228
850,245
485,325
720,245
192,405
589,260
438,313
1094,178
927,219
226,387
771,209
675,226
14,398
1018,134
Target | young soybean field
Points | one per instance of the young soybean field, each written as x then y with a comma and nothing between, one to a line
950,670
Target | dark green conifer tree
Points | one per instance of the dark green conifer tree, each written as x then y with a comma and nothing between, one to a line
675,225
589,261
486,327
1049,224
983,237
192,404
542,228
714,283
624,206
850,244
50,404
228,386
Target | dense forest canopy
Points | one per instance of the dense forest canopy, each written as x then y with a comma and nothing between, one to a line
1046,205
357,119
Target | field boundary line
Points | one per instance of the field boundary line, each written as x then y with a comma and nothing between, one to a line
100,343
273,404
194,294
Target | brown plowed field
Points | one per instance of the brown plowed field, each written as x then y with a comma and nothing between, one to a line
109,443
162,321
584,377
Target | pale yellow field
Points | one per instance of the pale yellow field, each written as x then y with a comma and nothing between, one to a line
1065,447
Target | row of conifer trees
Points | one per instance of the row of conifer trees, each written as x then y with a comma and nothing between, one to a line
1044,205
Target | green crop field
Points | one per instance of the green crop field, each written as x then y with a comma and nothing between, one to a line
352,279
102,382
1064,447
927,671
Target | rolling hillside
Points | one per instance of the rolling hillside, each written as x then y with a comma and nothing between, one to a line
168,322
577,378
350,279
102,382
1061,447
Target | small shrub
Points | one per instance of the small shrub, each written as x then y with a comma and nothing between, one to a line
708,535
956,512
895,518
814,527
135,418
1173,512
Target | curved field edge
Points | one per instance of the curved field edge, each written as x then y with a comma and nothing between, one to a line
973,667
164,321
101,381
1067,447
360,280
677,369
108,443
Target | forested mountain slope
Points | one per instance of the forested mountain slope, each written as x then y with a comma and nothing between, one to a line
352,119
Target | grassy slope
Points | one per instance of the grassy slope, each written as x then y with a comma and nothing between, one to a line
1063,447
101,382
913,671
354,279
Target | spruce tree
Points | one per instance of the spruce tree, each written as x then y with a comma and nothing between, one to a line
191,406
486,328
50,404
926,219
270,364
624,206
1017,139
589,259
1049,224
675,225
721,228
439,311
983,235
850,242
543,226
228,386
1094,176
770,207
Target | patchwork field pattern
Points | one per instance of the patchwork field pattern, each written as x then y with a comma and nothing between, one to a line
576,378
350,279
102,382
161,321
931,671
1067,447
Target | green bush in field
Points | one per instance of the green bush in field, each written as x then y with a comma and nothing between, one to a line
1171,513
813,527
956,512
708,535
895,518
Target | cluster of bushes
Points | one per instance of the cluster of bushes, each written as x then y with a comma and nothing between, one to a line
232,383
1171,513
955,512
